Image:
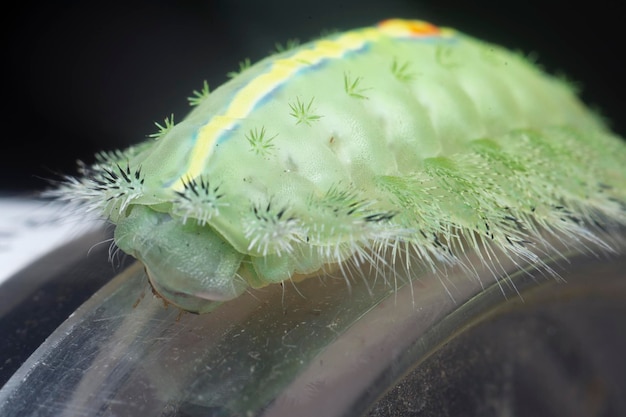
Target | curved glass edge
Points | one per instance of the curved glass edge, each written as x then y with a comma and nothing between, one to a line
557,349
309,348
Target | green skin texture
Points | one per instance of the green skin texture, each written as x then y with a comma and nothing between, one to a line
466,134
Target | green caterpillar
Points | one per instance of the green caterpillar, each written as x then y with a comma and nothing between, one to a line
403,138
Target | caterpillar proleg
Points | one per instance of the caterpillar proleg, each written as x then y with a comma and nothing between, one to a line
399,138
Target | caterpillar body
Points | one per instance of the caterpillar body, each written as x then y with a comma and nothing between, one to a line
399,138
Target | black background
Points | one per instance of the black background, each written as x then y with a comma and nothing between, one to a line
85,76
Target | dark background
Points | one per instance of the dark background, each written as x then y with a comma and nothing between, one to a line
86,76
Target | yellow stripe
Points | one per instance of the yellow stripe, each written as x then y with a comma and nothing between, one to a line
280,71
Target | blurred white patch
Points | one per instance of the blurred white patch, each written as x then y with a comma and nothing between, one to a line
30,228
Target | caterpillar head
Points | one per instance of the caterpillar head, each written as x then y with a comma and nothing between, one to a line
189,265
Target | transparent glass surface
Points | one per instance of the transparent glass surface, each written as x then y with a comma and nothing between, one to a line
318,347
